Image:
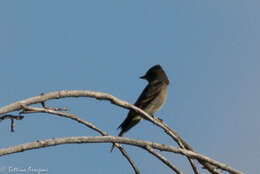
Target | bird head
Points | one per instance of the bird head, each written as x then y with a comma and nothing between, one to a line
155,73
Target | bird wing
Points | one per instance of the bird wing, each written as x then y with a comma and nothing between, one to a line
149,94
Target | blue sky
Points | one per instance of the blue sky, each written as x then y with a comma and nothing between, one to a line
209,49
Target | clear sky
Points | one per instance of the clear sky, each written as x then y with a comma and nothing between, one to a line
209,49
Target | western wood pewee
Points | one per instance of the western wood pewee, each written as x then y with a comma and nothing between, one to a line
151,99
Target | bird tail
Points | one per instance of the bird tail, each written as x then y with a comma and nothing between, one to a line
120,135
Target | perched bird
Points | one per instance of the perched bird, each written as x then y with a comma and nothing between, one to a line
151,99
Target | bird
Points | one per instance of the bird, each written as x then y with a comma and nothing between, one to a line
151,99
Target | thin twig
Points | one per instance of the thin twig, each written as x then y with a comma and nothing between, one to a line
55,109
8,116
183,144
30,110
12,125
124,153
12,118
163,159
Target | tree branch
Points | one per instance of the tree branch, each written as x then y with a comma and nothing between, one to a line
103,96
30,110
163,159
98,95
8,116
114,139
12,118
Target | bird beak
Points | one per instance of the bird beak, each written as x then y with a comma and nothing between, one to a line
143,77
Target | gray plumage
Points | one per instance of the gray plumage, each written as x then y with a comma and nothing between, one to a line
150,100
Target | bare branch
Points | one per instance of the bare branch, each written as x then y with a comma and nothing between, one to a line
183,144
8,116
124,153
103,96
12,125
12,118
111,139
56,95
30,110
55,109
163,159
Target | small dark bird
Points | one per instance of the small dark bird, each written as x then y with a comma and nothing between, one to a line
151,99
